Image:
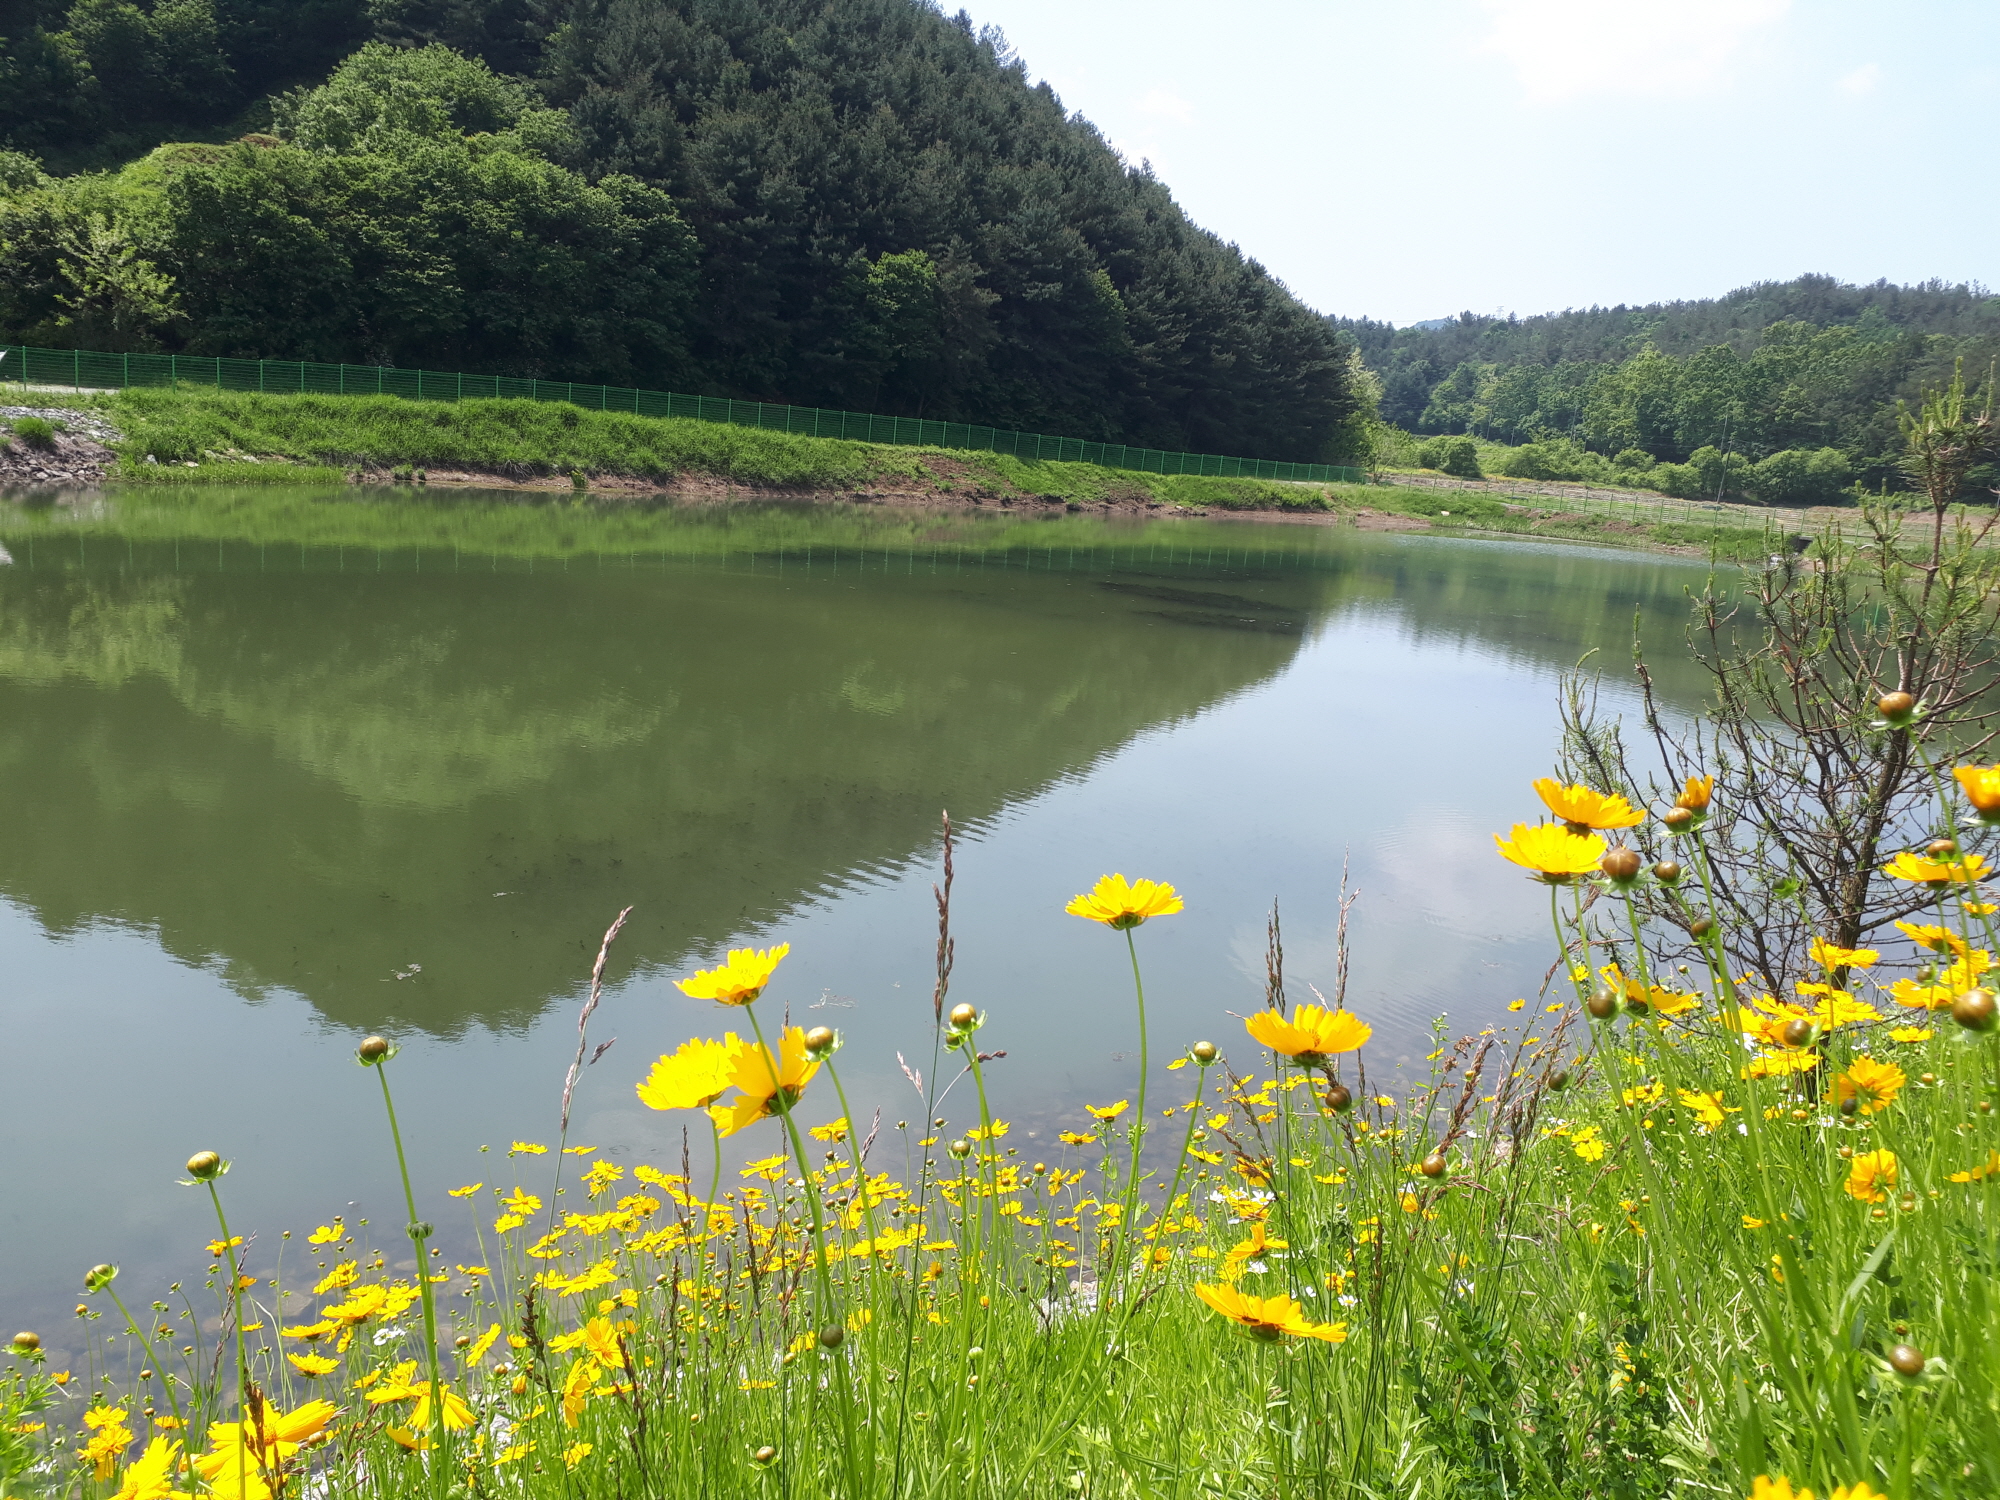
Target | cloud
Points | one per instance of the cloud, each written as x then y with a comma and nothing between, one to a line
1160,102
1862,80
1563,49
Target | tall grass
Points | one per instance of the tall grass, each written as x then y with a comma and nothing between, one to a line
1666,1233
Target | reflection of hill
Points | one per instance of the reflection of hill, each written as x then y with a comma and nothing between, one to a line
313,780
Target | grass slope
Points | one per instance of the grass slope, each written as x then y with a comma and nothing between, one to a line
219,437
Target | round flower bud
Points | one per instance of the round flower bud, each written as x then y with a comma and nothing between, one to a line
961,1148
1941,848
963,1016
463,1341
819,1039
99,1277
1603,1003
1204,1052
1621,864
832,1336
1678,819
1797,1032
1846,1153
765,1455
1432,1165
1975,1010
372,1050
1041,1169
1558,1081
1851,1105
1896,707
1906,1359
204,1166
26,1342
1339,1099
1667,872
1701,927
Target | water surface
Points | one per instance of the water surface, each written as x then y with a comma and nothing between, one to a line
284,770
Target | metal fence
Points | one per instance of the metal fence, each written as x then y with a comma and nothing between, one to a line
81,369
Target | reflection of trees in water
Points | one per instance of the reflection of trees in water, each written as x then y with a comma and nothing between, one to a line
309,781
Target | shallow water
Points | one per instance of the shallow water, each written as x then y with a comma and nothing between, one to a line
282,770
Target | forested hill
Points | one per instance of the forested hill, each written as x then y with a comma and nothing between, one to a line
1801,364
860,204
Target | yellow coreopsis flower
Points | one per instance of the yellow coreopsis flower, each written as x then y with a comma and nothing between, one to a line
768,1085
1708,1108
1986,1171
1832,1007
257,1447
1924,870
1931,936
738,981
692,1076
1555,854
1658,998
109,1437
313,1365
1582,808
1269,1318
1981,785
1694,796
1764,1487
1873,1085
1116,904
1312,1035
1830,956
1255,1247
151,1474
1109,1111
1870,1176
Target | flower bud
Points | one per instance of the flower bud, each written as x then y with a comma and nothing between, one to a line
1678,819
819,1039
1906,1359
963,1016
372,1050
961,1148
1667,872
1851,1105
1622,865
1603,1003
1896,707
1204,1052
1701,927
26,1342
832,1336
1975,1010
1797,1032
204,1166
1846,1153
1558,1081
1339,1099
97,1278
764,1455
1941,848
1432,1165
463,1341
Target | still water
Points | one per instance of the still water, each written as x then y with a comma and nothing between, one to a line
283,770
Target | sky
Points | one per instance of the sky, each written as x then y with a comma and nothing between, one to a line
1407,161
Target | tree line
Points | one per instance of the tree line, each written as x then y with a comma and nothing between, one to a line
1785,390
864,205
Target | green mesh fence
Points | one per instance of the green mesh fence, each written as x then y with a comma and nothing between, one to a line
81,369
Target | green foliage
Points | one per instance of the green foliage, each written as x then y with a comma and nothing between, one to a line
1793,477
885,214
36,432
1804,366
1457,456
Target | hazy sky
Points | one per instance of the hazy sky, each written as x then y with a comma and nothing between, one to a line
1407,159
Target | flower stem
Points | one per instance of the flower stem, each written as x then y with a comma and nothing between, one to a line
418,1232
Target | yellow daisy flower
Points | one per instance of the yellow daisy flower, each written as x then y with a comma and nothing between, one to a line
1551,851
1873,1085
1269,1318
1582,808
738,981
1312,1035
1871,1175
1118,904
1694,796
769,1086
1981,785
693,1076
1924,870
1830,956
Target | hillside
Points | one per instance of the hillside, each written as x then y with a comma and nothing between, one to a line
1803,365
863,205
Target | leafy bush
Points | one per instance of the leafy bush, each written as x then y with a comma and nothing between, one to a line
1457,456
1557,458
1795,477
36,432
1633,460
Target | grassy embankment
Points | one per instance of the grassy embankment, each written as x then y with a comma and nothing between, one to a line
208,437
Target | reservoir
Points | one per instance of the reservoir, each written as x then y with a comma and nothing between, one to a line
285,769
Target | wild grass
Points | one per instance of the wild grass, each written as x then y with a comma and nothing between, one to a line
1666,1234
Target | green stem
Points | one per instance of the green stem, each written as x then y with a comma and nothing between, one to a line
242,1352
418,1232
147,1344
1128,1222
